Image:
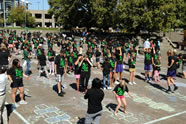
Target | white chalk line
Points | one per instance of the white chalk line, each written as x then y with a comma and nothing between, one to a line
20,116
166,117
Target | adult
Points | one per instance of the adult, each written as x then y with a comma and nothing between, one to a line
27,58
3,83
95,96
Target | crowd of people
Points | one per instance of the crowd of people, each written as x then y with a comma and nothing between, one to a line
68,55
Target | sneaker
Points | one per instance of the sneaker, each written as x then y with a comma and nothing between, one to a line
116,82
130,83
52,73
109,88
23,102
104,88
60,94
134,83
175,88
168,91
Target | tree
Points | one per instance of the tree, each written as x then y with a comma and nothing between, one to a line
83,13
17,15
1,21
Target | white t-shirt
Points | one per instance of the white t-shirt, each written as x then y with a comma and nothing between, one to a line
147,44
3,82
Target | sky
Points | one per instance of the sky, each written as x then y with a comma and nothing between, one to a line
38,4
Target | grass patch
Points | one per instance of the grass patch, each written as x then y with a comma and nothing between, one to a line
21,28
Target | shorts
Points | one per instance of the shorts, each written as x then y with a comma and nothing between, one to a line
16,85
171,73
97,59
156,73
132,69
60,78
120,97
148,68
184,68
10,45
119,68
77,76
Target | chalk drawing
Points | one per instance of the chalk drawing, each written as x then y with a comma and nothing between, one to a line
121,116
176,94
52,114
151,103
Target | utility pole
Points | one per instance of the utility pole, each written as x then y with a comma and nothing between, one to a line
4,8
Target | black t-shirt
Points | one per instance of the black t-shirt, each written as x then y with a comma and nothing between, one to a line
120,90
112,62
4,57
70,60
77,69
85,67
98,54
90,54
51,53
60,62
42,60
174,66
131,63
119,59
16,74
157,67
95,97
106,68
184,62
148,58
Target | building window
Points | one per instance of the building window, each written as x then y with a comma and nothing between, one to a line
38,16
47,16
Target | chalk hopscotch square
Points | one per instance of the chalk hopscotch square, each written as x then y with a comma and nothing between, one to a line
41,112
43,106
52,120
64,117
52,114
131,119
52,109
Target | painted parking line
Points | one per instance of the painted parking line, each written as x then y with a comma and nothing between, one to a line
20,116
166,117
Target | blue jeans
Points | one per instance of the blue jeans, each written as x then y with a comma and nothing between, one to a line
108,79
27,67
127,51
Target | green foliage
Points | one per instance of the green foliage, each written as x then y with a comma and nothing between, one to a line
1,21
17,15
130,15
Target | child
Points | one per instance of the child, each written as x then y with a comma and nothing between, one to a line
106,73
119,91
157,65
132,64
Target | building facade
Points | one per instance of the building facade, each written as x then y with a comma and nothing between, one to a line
43,19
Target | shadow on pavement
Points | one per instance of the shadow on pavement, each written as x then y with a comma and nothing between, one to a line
18,99
81,121
112,107
158,87
140,78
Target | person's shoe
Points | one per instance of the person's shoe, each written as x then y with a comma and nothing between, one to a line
116,82
175,88
22,102
134,83
130,83
52,73
60,94
168,91
104,88
109,88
